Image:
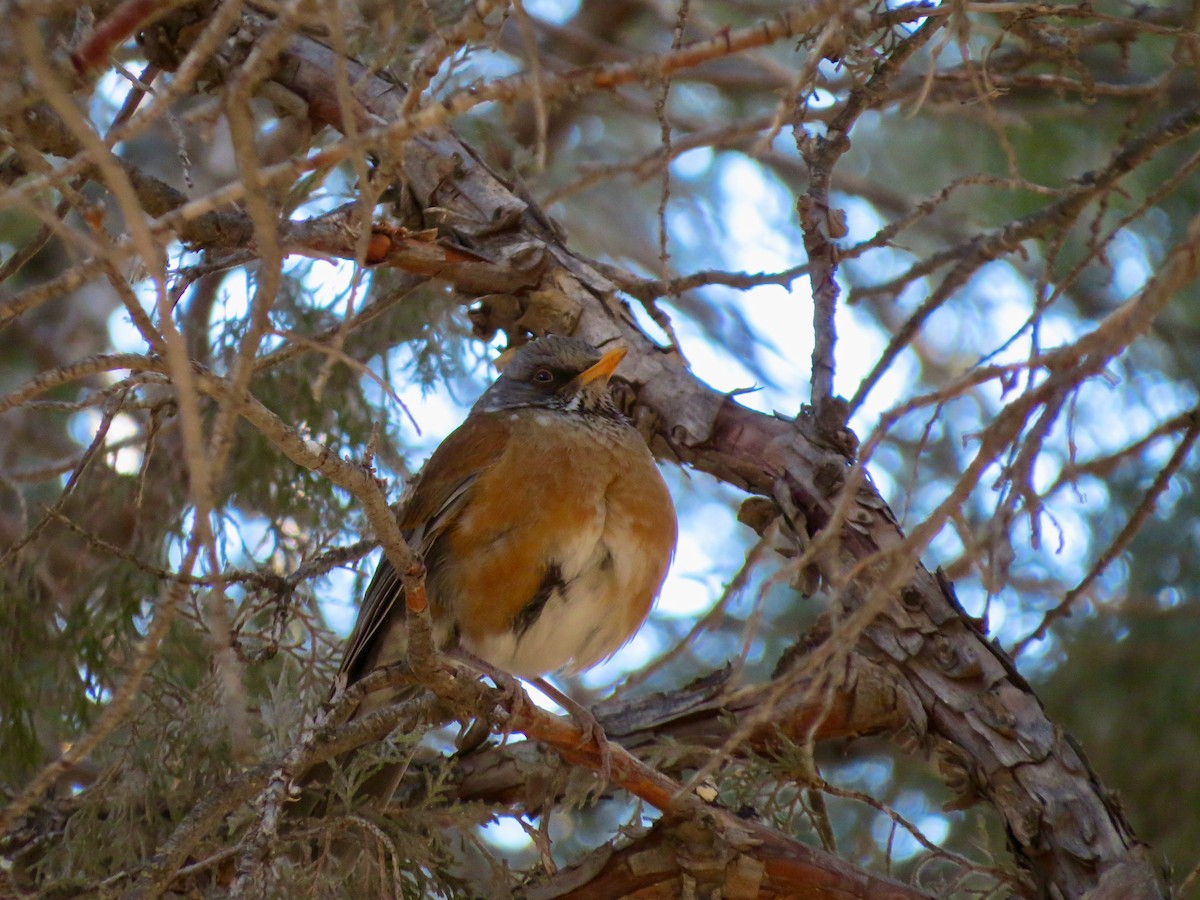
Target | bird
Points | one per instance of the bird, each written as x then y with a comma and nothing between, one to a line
544,524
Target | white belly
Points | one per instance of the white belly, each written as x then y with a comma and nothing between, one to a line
582,623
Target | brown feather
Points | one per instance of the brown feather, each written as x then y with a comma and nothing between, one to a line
437,497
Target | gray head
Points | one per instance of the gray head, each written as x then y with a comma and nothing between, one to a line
555,372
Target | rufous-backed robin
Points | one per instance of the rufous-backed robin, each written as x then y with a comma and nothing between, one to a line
544,524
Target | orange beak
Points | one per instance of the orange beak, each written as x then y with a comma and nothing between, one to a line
604,368
504,358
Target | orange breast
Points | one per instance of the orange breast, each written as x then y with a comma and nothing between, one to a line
587,505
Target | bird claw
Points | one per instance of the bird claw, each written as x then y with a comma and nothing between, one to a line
515,700
514,695
587,722
593,732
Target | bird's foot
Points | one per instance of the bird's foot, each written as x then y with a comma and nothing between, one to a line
514,695
593,732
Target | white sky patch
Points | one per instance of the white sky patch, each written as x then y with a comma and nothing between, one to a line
685,594
862,223
685,224
1055,329
1001,302
874,774
557,11
121,331
752,208
692,163
936,828
255,535
336,191
435,410
1130,276
542,700
757,213
783,321
436,414
1115,413
233,301
820,99
110,92
973,598
1039,654
127,460
505,833
644,646
328,281
338,602
708,552
858,347
763,236
83,425
1131,267
236,536
1169,598
708,361
651,328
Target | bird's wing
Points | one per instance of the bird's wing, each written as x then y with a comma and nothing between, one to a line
437,499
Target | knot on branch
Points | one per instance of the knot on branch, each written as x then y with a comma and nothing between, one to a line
549,309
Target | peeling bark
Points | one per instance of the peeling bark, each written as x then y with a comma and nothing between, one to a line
682,860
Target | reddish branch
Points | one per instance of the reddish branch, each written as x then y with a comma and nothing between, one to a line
676,859
749,853
700,718
115,28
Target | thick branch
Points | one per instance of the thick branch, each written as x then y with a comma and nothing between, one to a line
676,859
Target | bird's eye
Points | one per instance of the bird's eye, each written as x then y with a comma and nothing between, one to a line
543,376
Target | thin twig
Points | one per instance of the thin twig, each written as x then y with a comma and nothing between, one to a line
1121,542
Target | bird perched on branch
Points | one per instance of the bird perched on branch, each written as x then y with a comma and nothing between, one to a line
545,527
